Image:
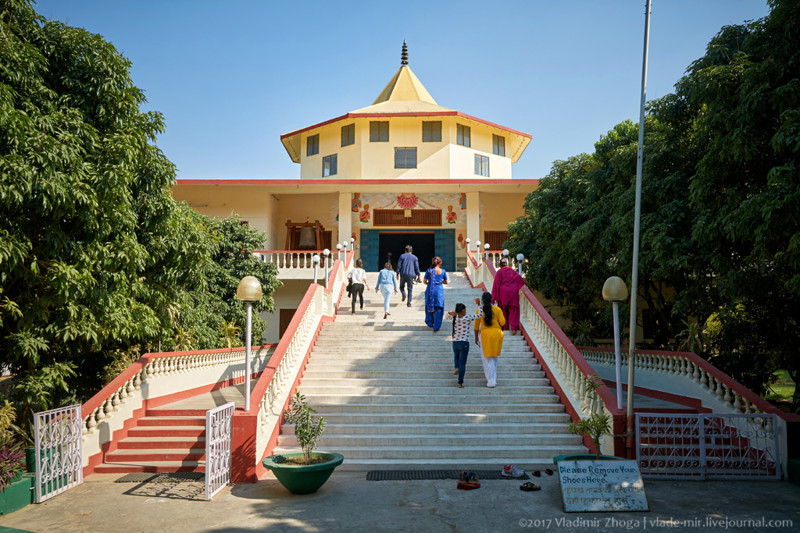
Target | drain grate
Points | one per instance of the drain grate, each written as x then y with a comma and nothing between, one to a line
168,477
415,475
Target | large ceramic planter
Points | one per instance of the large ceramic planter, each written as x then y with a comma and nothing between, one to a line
587,457
302,479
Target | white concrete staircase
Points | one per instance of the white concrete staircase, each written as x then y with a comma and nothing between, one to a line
390,400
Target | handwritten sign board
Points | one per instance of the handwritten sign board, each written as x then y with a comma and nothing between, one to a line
598,486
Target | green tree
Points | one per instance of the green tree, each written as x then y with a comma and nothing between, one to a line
97,261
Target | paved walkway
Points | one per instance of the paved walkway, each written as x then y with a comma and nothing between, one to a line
348,503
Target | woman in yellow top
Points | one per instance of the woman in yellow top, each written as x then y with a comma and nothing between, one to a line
490,328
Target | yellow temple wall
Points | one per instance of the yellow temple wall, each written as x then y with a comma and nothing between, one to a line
375,160
498,209
253,204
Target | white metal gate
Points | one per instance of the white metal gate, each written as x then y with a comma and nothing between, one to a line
59,458
219,424
708,446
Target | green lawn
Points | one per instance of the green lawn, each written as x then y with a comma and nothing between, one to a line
782,388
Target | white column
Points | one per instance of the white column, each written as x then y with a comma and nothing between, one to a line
345,216
473,216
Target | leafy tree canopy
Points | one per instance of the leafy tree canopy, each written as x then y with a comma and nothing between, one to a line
721,208
96,259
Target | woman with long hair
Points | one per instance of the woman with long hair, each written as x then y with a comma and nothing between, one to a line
435,279
489,336
359,278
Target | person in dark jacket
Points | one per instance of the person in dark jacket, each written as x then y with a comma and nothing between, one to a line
407,271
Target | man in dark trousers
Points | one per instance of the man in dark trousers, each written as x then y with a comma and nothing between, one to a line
407,270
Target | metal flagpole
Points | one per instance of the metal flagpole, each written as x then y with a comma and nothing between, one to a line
629,427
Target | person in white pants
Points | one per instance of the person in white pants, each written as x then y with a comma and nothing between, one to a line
386,285
489,336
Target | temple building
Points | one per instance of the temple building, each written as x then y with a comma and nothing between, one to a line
403,170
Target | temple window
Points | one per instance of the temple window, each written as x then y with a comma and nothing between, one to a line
312,145
498,145
432,131
379,131
348,134
405,158
481,165
329,163
462,135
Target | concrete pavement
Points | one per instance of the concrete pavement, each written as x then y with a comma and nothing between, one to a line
349,503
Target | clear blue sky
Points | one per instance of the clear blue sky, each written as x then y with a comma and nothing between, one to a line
231,77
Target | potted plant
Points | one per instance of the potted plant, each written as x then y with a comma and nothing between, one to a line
595,427
303,472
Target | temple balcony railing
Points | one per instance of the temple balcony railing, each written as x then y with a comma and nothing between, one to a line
298,264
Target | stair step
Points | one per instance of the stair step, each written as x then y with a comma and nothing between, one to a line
151,455
443,428
364,406
413,400
410,384
199,421
380,440
468,419
436,454
161,442
127,467
162,412
166,431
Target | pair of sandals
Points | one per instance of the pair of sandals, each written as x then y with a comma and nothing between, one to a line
531,487
468,481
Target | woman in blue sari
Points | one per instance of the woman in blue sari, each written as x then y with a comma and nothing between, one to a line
435,279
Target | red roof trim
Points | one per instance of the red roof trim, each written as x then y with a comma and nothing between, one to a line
410,114
508,181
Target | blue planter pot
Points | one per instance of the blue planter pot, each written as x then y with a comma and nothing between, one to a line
302,479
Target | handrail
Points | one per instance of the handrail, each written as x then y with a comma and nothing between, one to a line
132,377
716,382
273,388
569,373
586,369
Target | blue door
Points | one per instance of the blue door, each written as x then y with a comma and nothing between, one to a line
369,249
445,242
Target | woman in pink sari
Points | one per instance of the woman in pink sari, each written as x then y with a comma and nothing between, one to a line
505,291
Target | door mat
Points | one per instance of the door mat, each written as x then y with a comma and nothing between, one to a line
166,477
414,475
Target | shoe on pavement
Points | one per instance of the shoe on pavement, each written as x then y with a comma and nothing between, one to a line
512,471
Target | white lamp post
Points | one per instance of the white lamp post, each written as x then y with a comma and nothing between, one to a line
315,260
520,258
339,252
505,255
615,291
344,249
248,291
352,243
486,247
478,251
326,253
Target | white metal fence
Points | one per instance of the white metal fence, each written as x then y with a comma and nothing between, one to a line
708,446
57,441
219,424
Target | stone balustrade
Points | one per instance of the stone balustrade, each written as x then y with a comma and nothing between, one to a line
273,390
157,375
294,264
569,373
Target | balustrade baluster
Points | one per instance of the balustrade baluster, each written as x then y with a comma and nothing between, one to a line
718,391
137,380
695,373
727,397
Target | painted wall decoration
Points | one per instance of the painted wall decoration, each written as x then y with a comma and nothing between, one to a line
449,203
363,216
451,215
